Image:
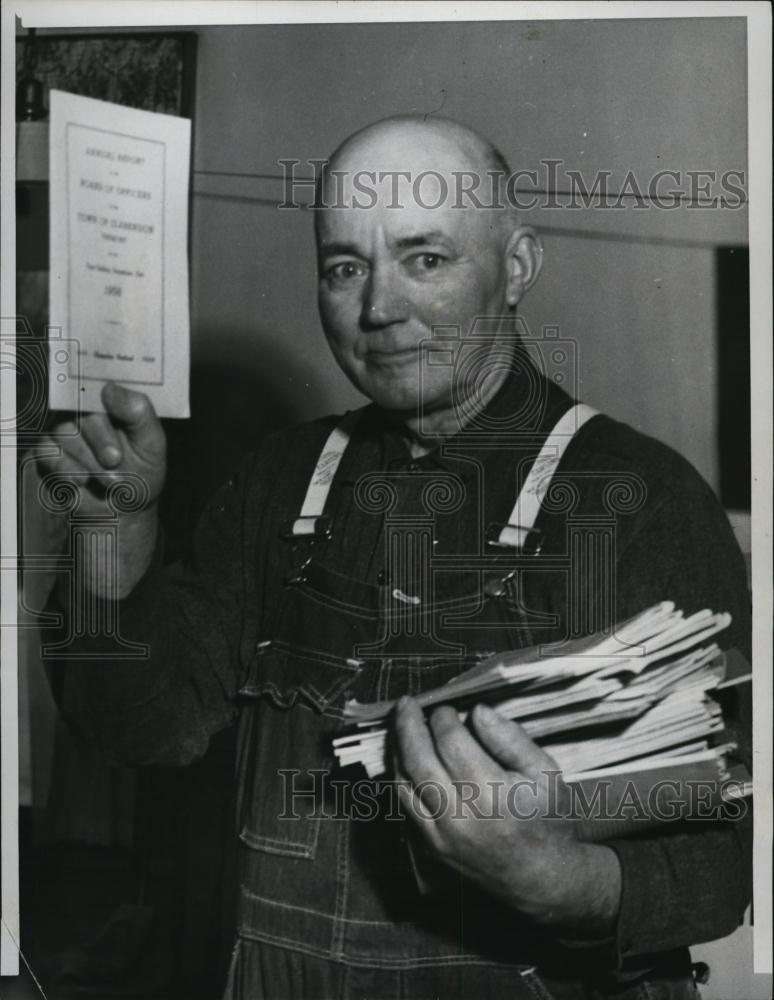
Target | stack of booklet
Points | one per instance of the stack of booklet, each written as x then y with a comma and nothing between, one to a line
640,707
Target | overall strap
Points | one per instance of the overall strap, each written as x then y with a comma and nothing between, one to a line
310,521
527,507
525,511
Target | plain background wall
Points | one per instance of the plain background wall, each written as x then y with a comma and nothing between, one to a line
634,288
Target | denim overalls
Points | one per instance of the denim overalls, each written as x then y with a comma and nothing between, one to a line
329,904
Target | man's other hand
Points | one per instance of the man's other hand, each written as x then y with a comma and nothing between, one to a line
493,805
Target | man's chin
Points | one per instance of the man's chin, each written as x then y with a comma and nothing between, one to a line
397,404
402,401
400,392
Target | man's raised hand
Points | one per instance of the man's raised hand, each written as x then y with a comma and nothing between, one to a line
116,463
126,442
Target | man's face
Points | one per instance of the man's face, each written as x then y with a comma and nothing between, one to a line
389,275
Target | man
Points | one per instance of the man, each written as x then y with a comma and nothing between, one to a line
354,559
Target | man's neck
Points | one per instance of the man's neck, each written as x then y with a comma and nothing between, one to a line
425,432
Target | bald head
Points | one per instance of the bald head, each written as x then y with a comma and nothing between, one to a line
433,162
463,144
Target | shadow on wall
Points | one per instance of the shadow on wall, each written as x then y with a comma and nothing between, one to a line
233,409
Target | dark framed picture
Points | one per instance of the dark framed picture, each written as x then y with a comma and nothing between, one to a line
153,71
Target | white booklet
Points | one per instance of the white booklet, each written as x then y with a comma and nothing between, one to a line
118,254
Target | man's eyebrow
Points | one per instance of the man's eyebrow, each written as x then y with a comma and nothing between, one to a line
421,239
336,249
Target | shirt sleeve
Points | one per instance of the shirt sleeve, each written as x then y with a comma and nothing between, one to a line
166,680
692,883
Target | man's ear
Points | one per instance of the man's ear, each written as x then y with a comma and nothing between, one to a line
524,259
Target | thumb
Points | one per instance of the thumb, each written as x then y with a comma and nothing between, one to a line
509,744
134,412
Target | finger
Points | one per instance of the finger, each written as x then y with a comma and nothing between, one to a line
55,467
46,452
134,412
77,443
56,420
101,436
51,457
508,743
423,813
416,751
66,452
459,751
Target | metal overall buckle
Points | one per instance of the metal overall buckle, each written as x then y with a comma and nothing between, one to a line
531,546
496,585
303,532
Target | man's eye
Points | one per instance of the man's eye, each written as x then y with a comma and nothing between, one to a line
423,263
345,271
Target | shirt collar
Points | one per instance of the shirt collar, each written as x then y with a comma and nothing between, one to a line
524,409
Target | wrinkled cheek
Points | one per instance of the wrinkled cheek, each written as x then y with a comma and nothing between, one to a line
339,313
442,309
344,355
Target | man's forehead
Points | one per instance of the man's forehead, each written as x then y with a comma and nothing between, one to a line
399,228
424,182
402,207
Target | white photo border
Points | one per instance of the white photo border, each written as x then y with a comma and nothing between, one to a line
183,13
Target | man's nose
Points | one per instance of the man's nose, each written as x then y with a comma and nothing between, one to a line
384,301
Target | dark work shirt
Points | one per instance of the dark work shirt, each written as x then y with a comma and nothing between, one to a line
202,621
